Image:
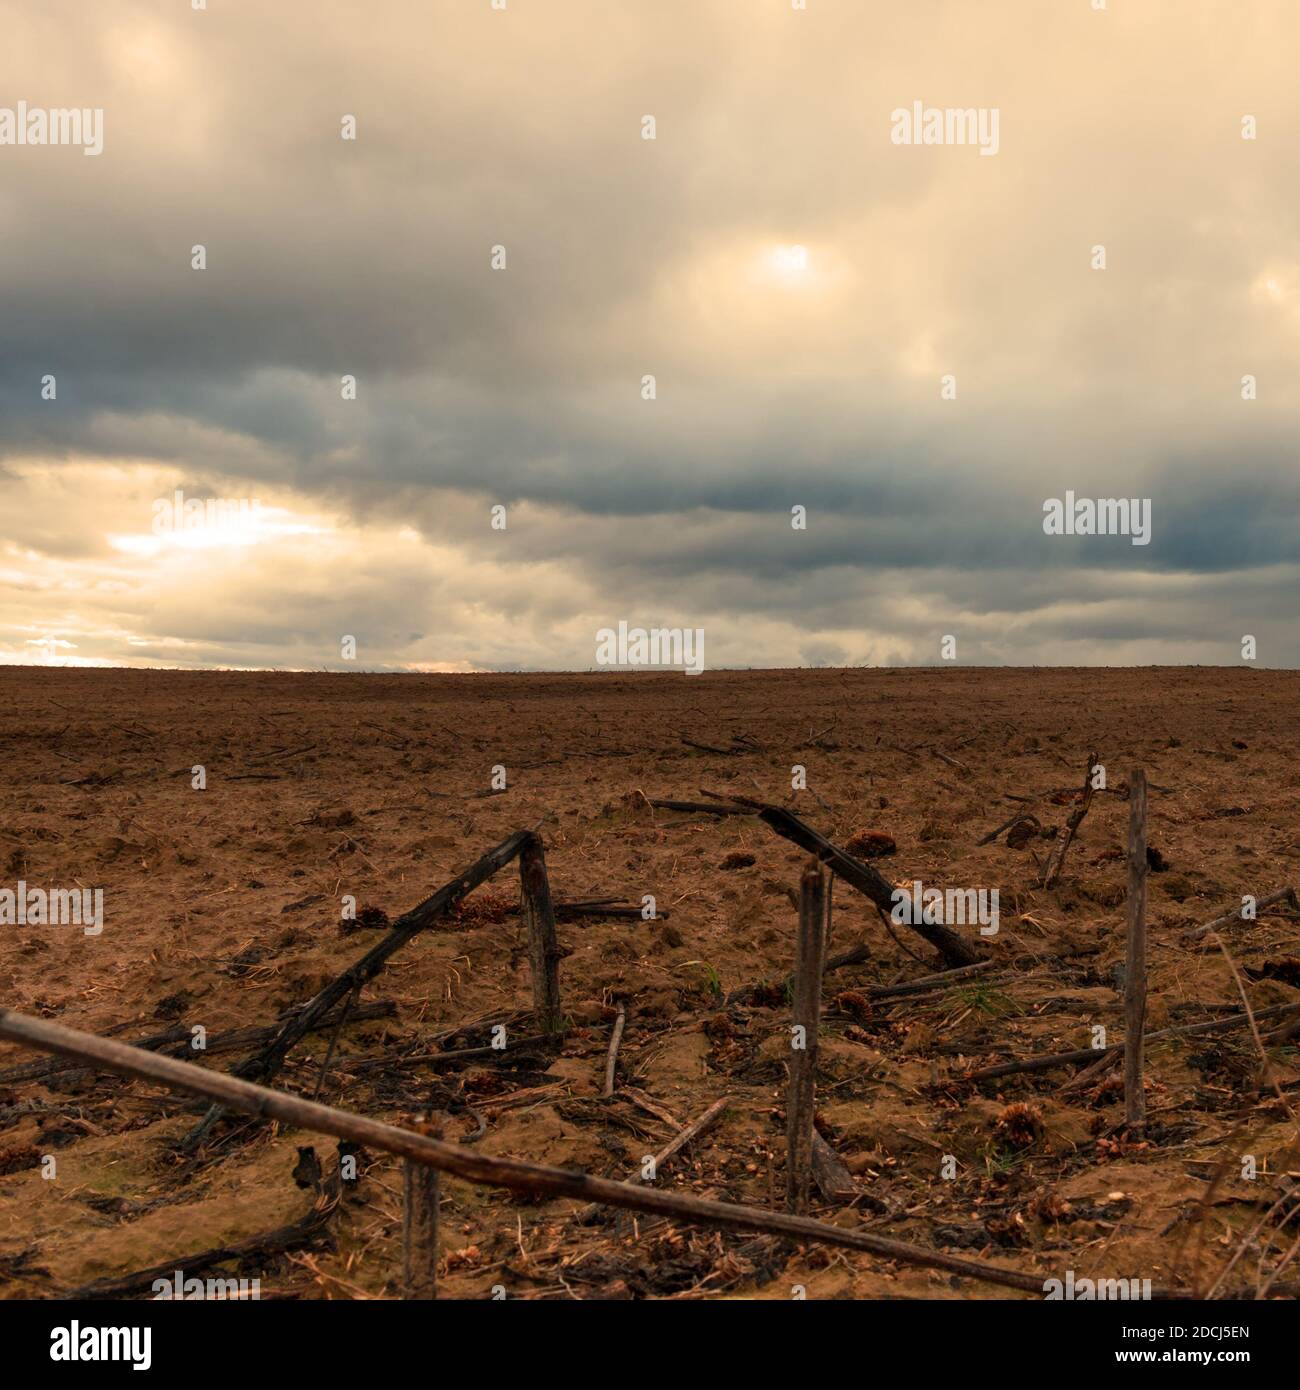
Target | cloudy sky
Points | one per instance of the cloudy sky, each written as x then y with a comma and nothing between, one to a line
798,285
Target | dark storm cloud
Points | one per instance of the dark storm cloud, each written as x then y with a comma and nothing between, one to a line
627,257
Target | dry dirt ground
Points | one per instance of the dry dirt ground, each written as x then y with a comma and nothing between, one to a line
223,908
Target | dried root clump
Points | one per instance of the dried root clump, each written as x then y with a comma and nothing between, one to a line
1021,1125
853,1004
871,844
1050,1207
368,919
483,908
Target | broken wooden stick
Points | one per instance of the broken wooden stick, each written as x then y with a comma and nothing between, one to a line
334,1042
800,1103
1008,824
860,875
1056,859
1081,1080
855,955
691,1133
742,744
1135,970
815,740
952,762
833,1179
177,1042
568,911
616,1037
1283,895
38,1071
1048,1060
670,1150
544,954
457,1056
469,1163
923,984
651,1106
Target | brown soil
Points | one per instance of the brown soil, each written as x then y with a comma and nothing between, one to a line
223,905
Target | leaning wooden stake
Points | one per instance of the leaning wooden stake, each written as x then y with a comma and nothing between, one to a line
857,873
1135,971
611,1061
420,1229
466,1162
1056,859
262,1066
544,952
801,1096
270,1059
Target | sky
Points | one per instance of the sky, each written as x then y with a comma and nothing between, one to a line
914,343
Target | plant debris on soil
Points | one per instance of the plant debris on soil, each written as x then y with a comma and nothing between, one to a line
335,803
